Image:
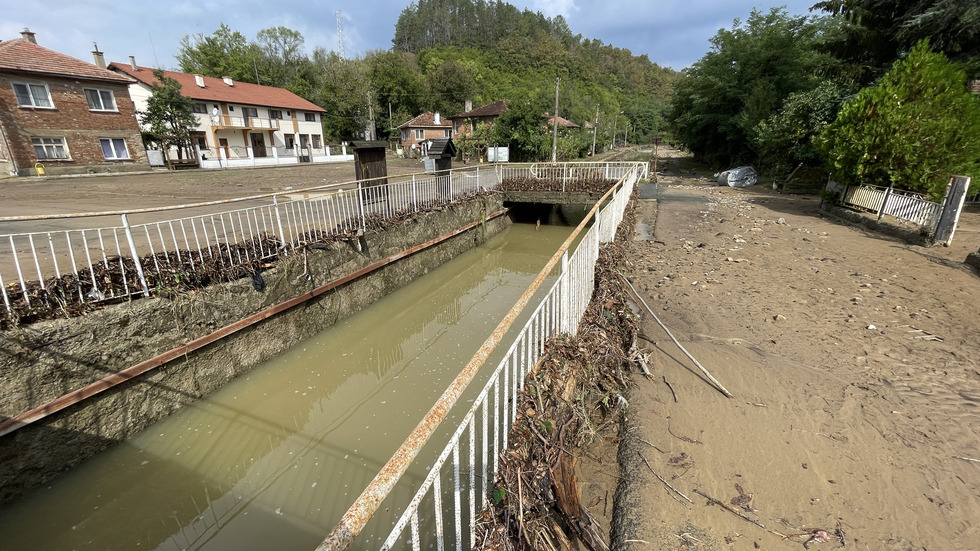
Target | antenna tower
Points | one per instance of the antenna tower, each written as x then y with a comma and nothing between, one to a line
340,36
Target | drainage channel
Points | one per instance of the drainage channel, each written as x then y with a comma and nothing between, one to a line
272,460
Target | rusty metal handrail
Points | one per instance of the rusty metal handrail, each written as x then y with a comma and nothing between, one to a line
364,507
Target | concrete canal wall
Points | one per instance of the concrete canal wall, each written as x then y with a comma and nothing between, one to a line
45,361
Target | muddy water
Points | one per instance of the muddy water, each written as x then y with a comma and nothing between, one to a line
274,459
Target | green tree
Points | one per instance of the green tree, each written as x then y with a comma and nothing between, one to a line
450,85
224,53
913,130
744,79
522,129
342,89
874,33
282,63
169,115
785,139
397,83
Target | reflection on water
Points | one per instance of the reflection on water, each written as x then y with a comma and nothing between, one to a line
272,460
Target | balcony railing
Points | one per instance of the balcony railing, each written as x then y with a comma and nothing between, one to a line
230,121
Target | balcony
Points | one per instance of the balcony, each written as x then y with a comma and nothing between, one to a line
257,123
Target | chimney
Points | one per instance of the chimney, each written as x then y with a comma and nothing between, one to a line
98,56
199,80
28,36
438,120
228,81
468,106
132,63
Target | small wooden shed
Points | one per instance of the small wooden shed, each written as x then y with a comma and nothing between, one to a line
370,162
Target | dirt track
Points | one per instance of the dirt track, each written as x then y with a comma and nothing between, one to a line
854,366
32,196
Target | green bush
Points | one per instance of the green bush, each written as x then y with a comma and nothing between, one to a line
914,129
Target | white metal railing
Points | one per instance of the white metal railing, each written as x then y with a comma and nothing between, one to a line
570,172
232,121
483,439
81,263
904,205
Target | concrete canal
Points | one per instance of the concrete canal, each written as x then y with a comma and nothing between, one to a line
273,459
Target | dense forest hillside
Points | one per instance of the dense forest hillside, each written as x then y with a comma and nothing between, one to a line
445,52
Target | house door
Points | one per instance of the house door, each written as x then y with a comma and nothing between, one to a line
304,151
223,144
258,145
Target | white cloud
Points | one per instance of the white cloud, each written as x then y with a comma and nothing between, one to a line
552,8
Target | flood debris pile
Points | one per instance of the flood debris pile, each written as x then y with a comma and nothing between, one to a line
572,396
587,184
115,279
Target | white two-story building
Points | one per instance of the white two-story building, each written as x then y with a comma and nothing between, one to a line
242,124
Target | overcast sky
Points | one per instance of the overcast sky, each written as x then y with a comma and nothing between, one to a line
673,33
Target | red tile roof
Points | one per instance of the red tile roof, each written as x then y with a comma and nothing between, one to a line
561,122
21,56
427,120
215,89
490,110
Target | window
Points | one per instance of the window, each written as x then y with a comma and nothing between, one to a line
114,148
50,148
275,114
200,108
316,141
418,133
100,100
290,141
250,112
200,140
310,117
32,95
447,134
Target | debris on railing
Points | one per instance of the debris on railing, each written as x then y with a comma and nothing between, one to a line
590,185
573,396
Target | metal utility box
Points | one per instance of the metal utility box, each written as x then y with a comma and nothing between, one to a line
442,150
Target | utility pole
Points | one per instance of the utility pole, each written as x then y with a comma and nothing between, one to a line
554,134
615,120
595,128
370,129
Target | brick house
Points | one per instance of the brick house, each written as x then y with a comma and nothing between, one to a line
240,120
63,115
427,126
465,122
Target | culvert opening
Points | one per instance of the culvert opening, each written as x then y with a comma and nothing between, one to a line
546,214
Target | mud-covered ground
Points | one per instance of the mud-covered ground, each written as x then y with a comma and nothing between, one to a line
854,366
69,194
